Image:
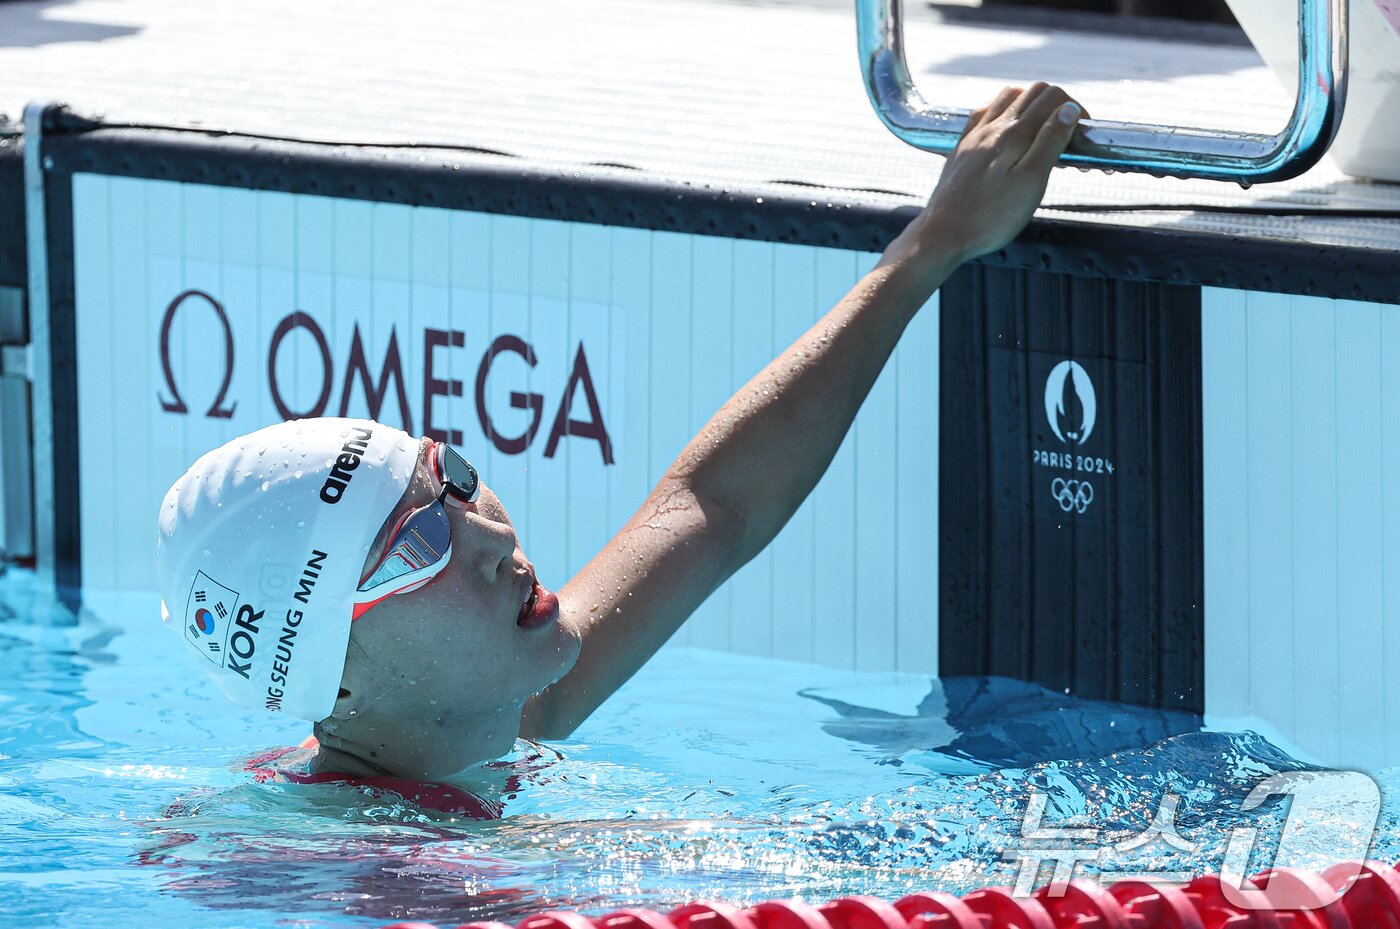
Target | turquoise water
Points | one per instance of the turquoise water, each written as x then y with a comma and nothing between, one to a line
123,800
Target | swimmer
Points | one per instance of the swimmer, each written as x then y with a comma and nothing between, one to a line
345,573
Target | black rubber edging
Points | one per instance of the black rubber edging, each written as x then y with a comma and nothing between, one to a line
807,216
14,256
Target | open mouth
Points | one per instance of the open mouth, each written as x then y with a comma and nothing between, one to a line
540,608
527,608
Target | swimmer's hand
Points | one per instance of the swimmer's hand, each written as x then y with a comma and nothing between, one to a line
996,176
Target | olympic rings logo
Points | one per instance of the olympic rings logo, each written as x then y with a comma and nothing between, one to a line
1072,495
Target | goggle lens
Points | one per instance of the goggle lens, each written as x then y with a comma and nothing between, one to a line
423,540
421,544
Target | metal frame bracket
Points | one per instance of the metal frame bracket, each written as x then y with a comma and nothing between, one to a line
1243,157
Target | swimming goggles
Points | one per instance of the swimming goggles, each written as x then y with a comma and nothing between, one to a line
421,544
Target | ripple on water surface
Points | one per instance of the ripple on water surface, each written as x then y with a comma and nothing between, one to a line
124,799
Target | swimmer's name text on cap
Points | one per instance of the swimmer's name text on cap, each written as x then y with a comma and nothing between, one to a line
277,639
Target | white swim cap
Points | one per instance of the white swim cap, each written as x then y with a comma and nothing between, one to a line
260,550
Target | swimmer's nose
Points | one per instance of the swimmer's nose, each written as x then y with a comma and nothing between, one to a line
491,548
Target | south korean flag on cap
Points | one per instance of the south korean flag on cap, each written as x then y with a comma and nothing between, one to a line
208,616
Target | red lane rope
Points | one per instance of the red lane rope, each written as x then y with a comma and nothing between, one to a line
1351,895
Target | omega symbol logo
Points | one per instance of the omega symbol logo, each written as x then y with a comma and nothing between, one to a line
1070,404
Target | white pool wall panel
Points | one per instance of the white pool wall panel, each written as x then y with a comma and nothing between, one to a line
671,325
1302,520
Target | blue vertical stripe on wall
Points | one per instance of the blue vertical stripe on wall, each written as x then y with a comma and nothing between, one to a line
276,285
1224,452
834,502
391,297
1389,713
1313,404
352,297
753,598
589,310
549,333
1359,652
164,278
430,306
313,274
711,309
508,243
630,285
875,520
918,445
238,281
669,357
139,385
794,568
468,281
92,245
1269,494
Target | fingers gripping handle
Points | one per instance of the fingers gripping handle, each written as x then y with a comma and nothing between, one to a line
1179,151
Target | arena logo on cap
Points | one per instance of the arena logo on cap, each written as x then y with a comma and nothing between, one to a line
209,613
349,459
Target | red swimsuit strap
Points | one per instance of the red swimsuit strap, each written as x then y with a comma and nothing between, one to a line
444,798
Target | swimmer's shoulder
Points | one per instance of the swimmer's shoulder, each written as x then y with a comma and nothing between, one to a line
293,766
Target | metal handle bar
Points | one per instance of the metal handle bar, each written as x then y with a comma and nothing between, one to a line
1244,157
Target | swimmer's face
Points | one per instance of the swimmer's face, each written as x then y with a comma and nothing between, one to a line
438,675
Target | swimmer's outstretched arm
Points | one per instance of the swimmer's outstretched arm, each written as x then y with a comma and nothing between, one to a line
742,477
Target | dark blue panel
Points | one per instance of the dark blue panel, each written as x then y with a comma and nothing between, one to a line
1071,529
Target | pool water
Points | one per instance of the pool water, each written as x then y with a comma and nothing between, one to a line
124,801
